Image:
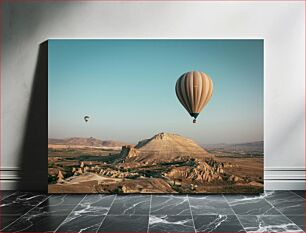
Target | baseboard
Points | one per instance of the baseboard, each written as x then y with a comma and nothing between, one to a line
275,178
284,178
9,178
284,184
8,185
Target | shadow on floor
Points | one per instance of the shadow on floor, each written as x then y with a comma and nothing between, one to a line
34,151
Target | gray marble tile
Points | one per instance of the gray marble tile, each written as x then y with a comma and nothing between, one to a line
266,223
21,202
128,223
301,193
130,205
250,205
299,220
7,220
88,214
57,205
35,223
58,200
287,202
166,223
170,205
217,223
209,205
81,222
169,213
5,194
281,193
48,215
95,204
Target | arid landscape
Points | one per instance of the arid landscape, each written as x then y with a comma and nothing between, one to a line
164,163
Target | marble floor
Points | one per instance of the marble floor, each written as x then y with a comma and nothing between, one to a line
273,211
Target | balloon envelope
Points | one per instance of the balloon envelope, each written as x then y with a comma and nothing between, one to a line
86,118
194,89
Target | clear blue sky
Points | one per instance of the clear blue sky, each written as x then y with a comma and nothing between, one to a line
127,87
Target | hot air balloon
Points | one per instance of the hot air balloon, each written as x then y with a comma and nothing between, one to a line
194,89
86,118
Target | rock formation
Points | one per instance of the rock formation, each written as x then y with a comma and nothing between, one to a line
203,172
163,147
60,177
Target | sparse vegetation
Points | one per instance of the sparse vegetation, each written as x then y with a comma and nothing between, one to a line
116,172
52,179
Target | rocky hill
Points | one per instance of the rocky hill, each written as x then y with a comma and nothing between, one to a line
78,141
163,147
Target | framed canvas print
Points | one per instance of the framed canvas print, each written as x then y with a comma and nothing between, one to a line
155,116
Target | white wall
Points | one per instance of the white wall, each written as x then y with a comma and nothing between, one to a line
281,24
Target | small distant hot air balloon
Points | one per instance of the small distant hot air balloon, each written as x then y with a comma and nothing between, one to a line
86,118
194,89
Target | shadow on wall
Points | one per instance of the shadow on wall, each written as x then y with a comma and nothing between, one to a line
34,153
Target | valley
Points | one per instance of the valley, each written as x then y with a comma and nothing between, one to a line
165,163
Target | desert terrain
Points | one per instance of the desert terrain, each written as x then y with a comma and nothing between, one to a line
164,163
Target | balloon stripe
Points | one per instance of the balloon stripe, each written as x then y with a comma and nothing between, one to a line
204,92
207,97
209,94
182,92
199,92
188,90
178,93
196,78
193,87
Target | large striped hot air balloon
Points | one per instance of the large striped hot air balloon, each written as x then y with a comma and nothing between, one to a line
194,89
